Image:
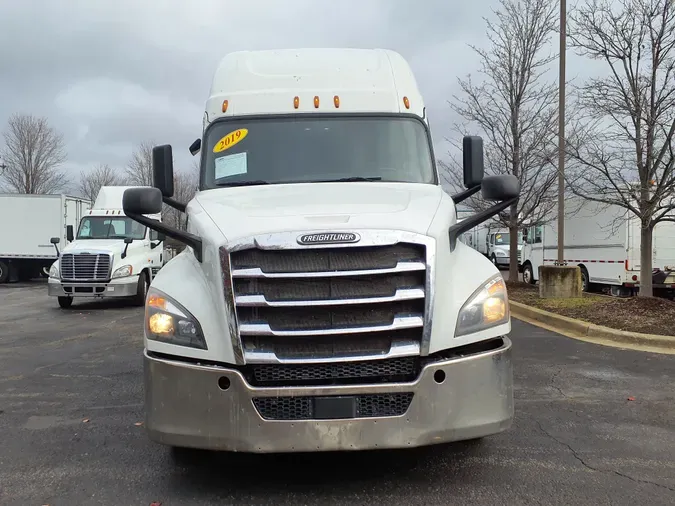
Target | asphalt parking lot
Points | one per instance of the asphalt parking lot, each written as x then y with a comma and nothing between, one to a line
594,425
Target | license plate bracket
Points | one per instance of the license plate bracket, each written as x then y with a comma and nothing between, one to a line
330,408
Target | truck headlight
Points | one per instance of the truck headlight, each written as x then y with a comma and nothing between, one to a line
487,307
500,253
169,322
123,272
54,271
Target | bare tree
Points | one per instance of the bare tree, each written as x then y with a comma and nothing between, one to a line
32,156
625,154
139,169
90,183
185,185
515,108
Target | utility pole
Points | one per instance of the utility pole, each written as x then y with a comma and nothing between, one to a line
561,135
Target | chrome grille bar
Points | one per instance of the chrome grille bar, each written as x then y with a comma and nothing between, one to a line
261,301
264,329
258,273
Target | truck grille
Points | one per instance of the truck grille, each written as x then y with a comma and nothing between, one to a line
301,296
85,267
403,369
302,408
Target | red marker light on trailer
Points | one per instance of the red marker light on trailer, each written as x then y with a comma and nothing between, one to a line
316,102
296,102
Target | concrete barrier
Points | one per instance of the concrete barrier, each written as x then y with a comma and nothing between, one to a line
558,281
585,329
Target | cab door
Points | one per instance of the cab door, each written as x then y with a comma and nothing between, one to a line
156,253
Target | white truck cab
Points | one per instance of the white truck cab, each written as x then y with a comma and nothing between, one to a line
493,240
324,300
499,246
110,256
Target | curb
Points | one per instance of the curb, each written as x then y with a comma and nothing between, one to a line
584,329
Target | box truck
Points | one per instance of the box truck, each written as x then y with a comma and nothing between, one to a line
111,255
604,241
323,301
33,228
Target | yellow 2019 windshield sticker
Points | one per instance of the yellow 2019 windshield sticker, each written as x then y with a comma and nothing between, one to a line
230,140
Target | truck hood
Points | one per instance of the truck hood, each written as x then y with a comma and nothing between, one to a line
245,211
111,245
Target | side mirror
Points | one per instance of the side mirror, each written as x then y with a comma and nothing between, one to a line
70,235
162,169
161,237
55,241
127,242
195,147
142,200
500,188
472,154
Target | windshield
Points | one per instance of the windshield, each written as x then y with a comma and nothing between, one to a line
502,238
317,149
104,227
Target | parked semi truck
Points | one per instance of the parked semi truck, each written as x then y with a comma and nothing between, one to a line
492,239
323,301
604,241
111,255
29,224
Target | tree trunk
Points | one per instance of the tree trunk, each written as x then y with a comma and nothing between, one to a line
513,244
646,289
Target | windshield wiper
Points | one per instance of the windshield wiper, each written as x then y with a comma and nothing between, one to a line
242,183
348,179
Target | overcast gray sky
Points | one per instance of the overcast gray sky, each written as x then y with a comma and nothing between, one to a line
110,74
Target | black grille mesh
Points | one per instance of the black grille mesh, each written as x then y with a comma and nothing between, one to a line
329,288
329,318
327,259
371,371
301,408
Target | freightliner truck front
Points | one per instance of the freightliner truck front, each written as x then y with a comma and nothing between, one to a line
323,301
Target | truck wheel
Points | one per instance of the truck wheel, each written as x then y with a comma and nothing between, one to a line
528,274
585,283
141,289
65,302
4,272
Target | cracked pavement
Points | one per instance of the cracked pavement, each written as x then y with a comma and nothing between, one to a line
577,438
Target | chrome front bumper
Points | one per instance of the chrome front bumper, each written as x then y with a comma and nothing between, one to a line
121,287
186,407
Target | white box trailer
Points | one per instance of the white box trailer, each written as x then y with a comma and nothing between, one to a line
604,241
29,224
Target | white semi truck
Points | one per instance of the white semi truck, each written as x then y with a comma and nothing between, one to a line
323,301
33,227
111,255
